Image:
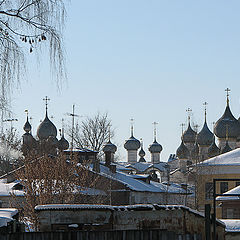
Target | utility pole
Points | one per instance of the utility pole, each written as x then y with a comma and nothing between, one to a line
73,115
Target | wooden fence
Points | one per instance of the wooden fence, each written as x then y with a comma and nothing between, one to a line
101,235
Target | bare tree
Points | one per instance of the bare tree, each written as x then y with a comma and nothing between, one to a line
53,180
92,132
29,23
10,151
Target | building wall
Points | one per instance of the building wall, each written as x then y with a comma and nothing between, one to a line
231,209
202,179
177,220
156,198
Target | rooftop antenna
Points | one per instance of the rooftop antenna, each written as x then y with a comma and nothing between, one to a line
73,115
11,120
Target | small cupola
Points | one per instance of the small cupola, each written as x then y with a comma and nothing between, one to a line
46,128
142,153
227,120
205,136
182,151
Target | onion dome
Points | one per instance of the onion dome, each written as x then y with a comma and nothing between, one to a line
227,123
52,141
189,136
63,144
46,129
132,144
213,150
155,147
141,152
205,136
27,126
142,159
226,148
109,147
182,151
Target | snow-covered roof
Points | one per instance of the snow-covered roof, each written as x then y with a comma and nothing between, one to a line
6,189
85,150
136,207
235,190
92,192
232,225
136,185
6,215
229,158
143,166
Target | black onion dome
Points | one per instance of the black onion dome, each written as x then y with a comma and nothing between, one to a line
28,139
109,147
205,136
132,144
63,143
189,136
182,151
227,123
141,152
155,147
226,148
46,129
142,159
27,126
213,150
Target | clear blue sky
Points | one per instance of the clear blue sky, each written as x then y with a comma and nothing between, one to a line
149,60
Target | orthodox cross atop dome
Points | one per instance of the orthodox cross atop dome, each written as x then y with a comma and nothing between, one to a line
46,99
205,110
26,111
189,112
227,90
182,125
132,123
155,130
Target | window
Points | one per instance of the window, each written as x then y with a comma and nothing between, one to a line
223,187
209,190
230,212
